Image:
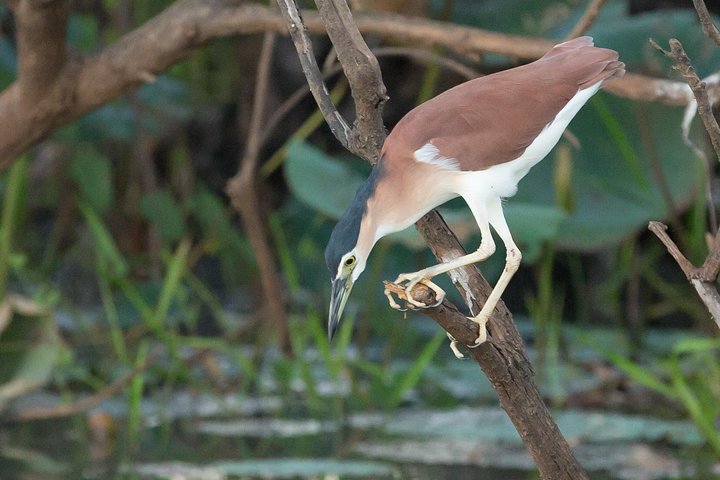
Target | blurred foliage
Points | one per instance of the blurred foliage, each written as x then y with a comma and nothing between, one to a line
118,242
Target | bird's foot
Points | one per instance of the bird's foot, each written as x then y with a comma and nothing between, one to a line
454,347
481,319
402,287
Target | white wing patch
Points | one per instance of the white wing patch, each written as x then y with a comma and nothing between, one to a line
430,154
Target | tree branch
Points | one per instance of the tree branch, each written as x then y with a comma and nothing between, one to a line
682,64
503,357
242,190
706,21
363,74
42,51
708,272
301,39
85,84
706,289
587,20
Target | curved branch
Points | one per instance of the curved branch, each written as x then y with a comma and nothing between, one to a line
42,51
706,21
306,54
503,357
587,19
363,73
85,84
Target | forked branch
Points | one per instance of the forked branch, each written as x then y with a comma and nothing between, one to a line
502,357
703,278
83,84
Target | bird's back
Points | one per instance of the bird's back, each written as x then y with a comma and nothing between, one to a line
493,119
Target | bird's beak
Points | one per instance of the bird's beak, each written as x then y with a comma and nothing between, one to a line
340,292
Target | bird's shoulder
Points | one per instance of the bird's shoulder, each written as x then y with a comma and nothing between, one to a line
479,123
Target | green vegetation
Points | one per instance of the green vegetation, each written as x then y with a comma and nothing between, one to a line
123,263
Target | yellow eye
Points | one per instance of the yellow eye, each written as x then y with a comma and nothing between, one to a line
349,261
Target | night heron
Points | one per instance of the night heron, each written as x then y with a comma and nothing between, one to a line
475,141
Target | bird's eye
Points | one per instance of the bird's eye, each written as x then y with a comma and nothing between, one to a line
349,261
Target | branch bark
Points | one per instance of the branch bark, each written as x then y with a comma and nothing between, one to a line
503,357
706,290
683,65
42,51
703,278
243,192
83,84
706,21
587,19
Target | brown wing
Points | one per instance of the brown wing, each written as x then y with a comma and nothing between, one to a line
493,119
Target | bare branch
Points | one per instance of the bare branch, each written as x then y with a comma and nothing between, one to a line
84,404
682,63
705,288
84,84
42,51
423,56
363,74
587,20
427,56
301,39
244,196
706,21
660,231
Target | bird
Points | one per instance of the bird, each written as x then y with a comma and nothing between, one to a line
476,140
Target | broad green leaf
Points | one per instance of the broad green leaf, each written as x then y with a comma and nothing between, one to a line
161,210
628,34
613,196
320,181
508,16
210,213
92,173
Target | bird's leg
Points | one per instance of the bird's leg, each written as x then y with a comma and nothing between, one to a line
512,262
487,248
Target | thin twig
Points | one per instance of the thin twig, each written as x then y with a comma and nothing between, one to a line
84,404
503,356
89,82
423,56
706,21
706,289
681,62
303,44
243,192
587,20
660,231
428,57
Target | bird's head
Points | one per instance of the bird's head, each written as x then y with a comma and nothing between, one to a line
346,261
349,247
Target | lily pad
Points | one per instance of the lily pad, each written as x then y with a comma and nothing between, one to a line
271,469
266,427
493,424
318,180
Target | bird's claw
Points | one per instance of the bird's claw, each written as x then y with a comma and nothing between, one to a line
404,292
454,347
481,319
